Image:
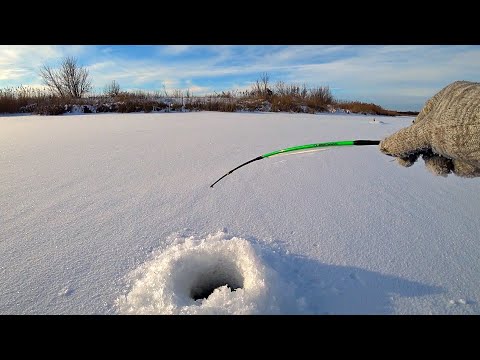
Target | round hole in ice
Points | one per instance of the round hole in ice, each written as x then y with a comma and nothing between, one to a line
211,275
221,272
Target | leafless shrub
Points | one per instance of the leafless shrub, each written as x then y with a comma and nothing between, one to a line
69,80
112,89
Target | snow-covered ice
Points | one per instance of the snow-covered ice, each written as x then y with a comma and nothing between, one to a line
113,214
374,121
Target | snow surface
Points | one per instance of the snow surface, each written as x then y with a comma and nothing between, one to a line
113,213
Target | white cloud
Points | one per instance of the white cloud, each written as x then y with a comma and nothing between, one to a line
199,90
283,55
374,71
20,60
20,63
175,49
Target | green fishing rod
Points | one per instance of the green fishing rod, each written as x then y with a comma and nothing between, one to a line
303,147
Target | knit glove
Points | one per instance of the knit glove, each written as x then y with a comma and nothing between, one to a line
446,133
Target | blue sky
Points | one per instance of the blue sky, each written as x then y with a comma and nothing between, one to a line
398,77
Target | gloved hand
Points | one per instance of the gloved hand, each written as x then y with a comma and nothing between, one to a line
446,133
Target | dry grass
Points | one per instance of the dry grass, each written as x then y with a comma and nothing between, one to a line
365,108
262,97
20,99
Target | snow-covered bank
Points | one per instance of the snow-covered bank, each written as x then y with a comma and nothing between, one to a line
92,205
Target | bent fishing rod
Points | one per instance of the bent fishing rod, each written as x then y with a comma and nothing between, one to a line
303,147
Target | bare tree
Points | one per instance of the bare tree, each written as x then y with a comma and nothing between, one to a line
69,80
165,90
281,88
264,80
51,78
112,89
260,88
176,93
